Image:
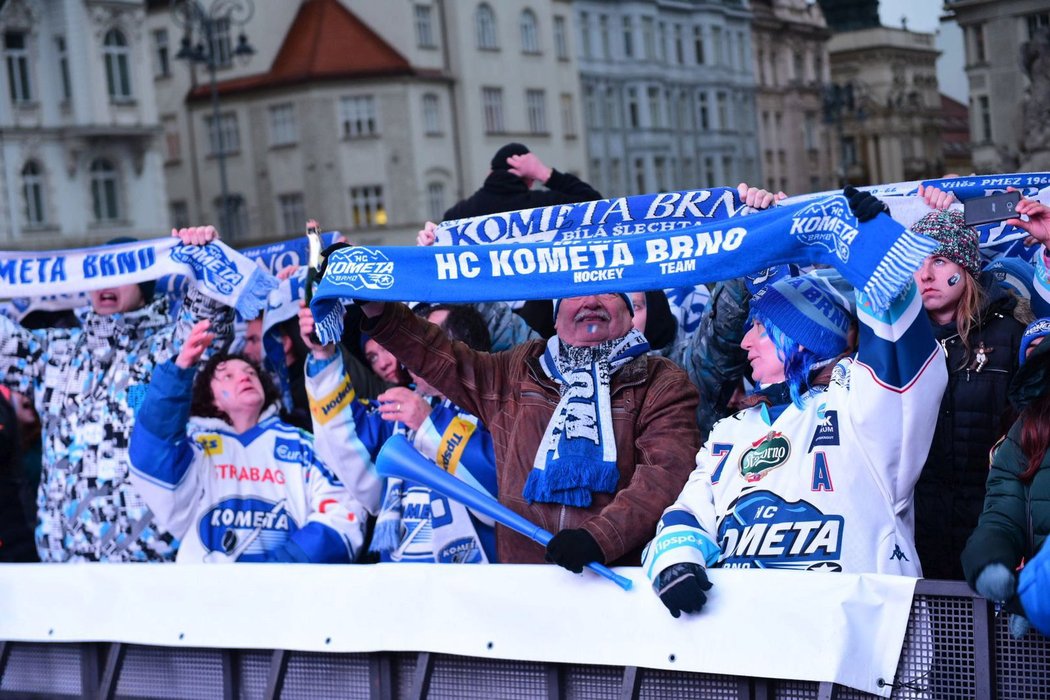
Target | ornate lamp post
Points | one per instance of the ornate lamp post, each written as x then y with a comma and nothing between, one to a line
211,24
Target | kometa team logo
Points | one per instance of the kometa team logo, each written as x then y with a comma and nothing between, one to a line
764,531
767,453
211,265
829,224
360,268
245,529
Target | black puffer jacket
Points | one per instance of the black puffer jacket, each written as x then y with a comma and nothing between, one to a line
505,191
975,412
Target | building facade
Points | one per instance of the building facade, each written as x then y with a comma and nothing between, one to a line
797,147
994,32
370,117
889,125
79,156
668,94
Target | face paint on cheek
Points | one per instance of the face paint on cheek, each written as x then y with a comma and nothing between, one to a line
954,280
225,394
592,328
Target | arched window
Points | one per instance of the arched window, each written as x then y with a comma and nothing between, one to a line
104,191
436,200
485,25
530,37
118,65
33,190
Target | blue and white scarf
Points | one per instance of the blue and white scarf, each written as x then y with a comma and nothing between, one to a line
577,455
656,251
219,271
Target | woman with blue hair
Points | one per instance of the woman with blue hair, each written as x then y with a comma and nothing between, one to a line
817,473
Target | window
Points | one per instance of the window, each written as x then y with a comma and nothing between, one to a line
435,200
585,34
704,112
179,212
104,195
223,137
424,15
818,68
603,36
536,109
648,40
660,170
17,58
809,133
561,38
632,109
628,38
799,66
661,42
679,48
639,175
492,106
161,56
357,115
568,115
849,151
33,191
984,114
591,116
611,109
293,213
63,68
1037,22
234,219
698,45
221,45
118,70
727,169
530,36
283,129
709,171
716,45
979,55
656,111
723,111
172,142
366,203
431,114
485,28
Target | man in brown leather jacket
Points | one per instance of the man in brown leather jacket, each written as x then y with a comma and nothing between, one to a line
593,437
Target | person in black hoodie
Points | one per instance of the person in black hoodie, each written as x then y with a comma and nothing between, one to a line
508,187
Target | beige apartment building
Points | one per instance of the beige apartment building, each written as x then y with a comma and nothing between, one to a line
371,117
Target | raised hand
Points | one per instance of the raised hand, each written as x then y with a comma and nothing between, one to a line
935,198
196,343
307,327
1038,224
403,405
196,235
757,198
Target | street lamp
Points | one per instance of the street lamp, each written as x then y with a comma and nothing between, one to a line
212,26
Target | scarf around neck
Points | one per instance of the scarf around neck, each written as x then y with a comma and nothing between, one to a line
577,455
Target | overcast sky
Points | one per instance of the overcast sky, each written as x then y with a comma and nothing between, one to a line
924,16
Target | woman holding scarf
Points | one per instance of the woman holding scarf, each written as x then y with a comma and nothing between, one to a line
817,473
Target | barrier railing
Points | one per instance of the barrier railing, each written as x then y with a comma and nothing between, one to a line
955,647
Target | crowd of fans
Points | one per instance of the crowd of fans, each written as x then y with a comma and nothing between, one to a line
795,428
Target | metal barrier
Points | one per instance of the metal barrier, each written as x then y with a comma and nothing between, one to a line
972,652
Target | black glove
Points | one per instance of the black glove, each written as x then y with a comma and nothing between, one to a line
864,205
681,587
574,549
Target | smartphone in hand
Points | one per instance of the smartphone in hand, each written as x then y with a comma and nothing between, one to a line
994,207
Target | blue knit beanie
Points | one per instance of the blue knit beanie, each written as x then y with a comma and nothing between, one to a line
626,299
1036,329
809,311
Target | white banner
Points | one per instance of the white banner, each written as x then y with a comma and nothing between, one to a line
808,626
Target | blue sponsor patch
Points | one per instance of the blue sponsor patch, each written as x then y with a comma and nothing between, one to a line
829,224
827,432
286,450
764,531
211,265
460,551
246,528
360,268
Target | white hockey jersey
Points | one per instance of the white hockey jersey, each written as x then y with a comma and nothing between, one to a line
827,487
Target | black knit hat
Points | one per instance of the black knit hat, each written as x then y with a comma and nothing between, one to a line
499,161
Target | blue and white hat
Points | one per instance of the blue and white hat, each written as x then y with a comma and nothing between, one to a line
1036,329
809,311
